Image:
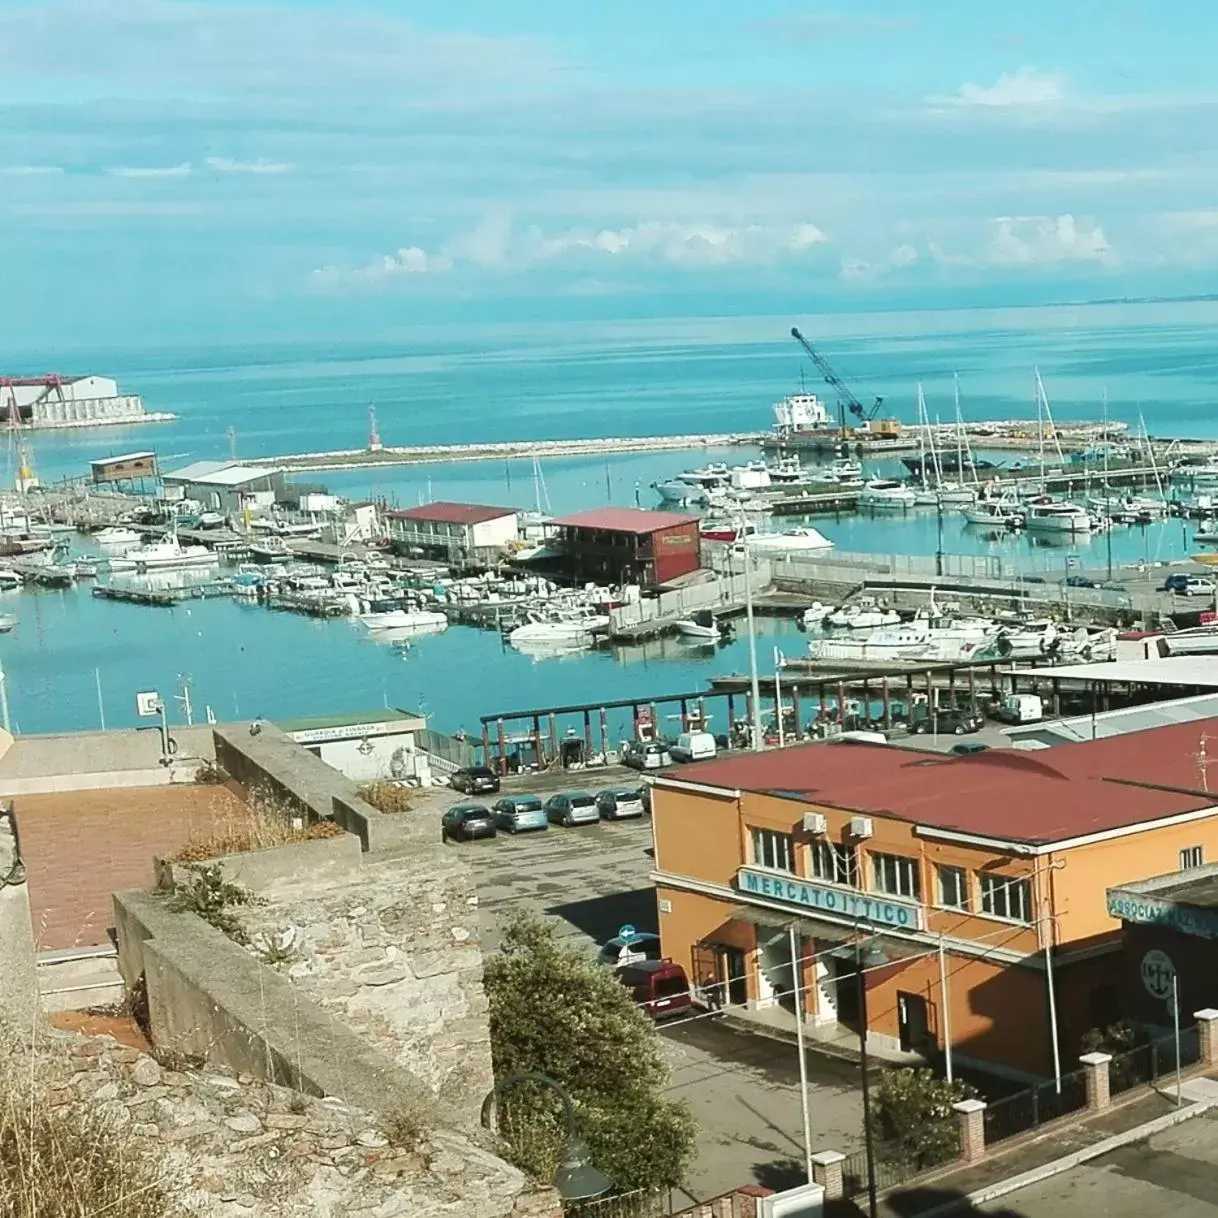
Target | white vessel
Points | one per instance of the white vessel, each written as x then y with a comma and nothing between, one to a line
801,540
930,637
679,490
865,614
116,536
570,627
956,493
405,619
164,555
884,493
997,513
7,622
800,412
1058,518
10,580
702,626
815,614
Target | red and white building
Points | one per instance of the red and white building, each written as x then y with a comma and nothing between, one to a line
454,530
629,546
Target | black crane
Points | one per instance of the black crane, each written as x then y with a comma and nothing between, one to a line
846,398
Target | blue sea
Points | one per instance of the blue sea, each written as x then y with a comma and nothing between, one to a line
1156,362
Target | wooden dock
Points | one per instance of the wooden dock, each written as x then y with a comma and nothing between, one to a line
161,598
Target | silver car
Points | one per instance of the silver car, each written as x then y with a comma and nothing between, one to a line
618,803
570,808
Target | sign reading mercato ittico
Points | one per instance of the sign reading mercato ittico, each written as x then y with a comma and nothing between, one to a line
877,909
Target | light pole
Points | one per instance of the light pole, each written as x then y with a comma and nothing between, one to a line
755,686
577,1177
875,955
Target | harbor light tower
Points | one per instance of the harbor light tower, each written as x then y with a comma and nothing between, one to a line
374,438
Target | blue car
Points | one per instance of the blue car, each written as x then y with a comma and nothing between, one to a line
520,813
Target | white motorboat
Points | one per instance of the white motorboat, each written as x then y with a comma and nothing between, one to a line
1194,641
679,490
1055,517
865,614
931,638
801,540
885,493
1128,509
996,513
561,627
164,555
815,614
7,622
1029,640
404,619
714,474
702,626
1207,535
10,580
955,493
116,536
752,476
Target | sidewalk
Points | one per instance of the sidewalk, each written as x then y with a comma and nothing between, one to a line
1039,1154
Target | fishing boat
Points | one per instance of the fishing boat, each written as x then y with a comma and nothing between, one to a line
7,622
887,494
1054,517
1006,513
864,614
116,536
168,554
725,530
802,540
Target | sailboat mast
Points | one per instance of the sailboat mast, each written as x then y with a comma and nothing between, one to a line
923,431
959,427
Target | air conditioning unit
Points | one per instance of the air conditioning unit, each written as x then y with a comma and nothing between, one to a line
814,822
861,826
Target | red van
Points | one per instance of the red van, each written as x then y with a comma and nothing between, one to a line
660,987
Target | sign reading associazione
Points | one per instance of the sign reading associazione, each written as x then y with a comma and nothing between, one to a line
876,908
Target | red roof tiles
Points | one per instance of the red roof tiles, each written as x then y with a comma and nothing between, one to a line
452,513
625,520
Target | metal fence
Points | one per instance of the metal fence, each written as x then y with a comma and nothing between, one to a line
1152,1061
642,1203
727,589
889,1173
447,748
1016,1114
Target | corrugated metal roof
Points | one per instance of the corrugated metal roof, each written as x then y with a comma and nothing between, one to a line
453,513
625,520
219,473
196,470
1168,670
122,457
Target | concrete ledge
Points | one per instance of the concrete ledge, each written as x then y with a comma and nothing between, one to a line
208,996
321,861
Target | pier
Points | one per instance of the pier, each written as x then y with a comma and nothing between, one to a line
161,598
511,450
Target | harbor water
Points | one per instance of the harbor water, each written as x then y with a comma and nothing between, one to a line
74,658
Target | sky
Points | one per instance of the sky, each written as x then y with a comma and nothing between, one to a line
214,169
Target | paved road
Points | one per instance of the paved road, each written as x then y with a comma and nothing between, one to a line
1173,1174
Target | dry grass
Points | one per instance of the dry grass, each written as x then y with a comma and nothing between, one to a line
386,796
68,1161
260,825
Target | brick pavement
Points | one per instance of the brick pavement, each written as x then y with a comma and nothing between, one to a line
80,846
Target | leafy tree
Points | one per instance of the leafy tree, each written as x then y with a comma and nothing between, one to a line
556,1011
914,1121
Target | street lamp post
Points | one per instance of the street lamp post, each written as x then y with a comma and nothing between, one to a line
577,1177
875,955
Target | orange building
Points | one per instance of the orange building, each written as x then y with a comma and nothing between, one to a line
973,889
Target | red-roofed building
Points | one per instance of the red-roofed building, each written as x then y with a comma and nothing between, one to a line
629,545
997,859
453,530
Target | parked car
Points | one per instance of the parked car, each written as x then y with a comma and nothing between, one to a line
645,754
464,822
518,813
618,803
643,944
474,780
965,747
1189,585
571,808
1077,581
694,746
660,987
949,720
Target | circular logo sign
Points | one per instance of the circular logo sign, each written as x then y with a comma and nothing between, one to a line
1157,973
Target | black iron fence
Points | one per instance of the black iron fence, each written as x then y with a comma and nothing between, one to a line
889,1172
1047,1101
642,1203
1152,1061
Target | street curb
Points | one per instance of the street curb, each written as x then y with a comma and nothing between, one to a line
1068,1162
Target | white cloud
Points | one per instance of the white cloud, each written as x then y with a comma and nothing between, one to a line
1026,87
29,171
222,164
898,259
152,171
1031,241
494,244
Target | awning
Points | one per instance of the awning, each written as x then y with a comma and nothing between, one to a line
830,932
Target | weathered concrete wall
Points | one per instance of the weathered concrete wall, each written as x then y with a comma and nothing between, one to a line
210,997
18,967
271,762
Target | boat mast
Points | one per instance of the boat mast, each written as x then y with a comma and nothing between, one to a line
959,427
923,432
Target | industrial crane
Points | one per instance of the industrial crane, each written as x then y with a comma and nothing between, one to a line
846,397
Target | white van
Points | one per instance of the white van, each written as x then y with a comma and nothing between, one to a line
1021,708
694,746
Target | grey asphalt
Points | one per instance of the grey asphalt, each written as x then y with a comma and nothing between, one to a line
1173,1173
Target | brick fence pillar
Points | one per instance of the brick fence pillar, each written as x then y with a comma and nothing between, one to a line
971,1115
723,1207
748,1200
827,1172
1095,1078
1207,1034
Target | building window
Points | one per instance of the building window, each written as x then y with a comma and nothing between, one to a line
1005,897
773,850
896,875
953,887
835,863
1191,856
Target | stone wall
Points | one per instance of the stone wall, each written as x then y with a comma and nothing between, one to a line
238,1147
18,968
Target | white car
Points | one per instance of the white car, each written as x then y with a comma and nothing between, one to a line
1196,585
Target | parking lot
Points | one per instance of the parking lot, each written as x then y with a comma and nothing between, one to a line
742,1088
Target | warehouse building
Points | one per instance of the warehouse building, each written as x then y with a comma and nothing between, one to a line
628,546
225,486
970,893
66,401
